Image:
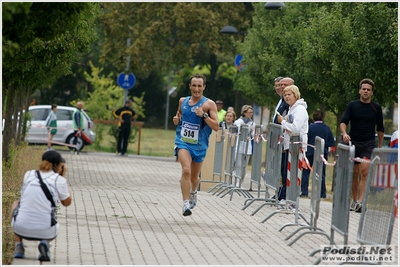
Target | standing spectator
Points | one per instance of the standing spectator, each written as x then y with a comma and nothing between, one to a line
230,117
51,123
230,109
246,118
296,121
34,214
318,128
124,116
282,108
195,119
366,118
220,111
78,124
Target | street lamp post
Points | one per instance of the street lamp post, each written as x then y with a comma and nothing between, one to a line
274,5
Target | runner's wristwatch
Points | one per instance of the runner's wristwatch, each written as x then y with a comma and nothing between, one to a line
205,115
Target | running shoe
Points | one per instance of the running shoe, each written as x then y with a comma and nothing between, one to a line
283,206
44,251
359,208
353,205
19,251
186,209
193,199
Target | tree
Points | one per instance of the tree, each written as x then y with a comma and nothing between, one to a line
172,36
327,48
39,45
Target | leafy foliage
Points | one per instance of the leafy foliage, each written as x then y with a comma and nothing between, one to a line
327,48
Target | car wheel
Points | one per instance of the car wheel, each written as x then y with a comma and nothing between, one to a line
80,143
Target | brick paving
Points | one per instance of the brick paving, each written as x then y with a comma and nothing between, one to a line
127,211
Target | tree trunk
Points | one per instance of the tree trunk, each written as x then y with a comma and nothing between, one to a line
8,129
212,85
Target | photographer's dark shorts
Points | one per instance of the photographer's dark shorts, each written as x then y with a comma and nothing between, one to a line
363,149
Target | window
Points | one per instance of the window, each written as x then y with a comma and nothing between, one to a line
64,115
39,114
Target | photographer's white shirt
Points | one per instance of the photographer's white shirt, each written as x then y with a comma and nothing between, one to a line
34,211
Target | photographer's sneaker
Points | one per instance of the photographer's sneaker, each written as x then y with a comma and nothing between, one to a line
44,251
19,251
186,209
193,199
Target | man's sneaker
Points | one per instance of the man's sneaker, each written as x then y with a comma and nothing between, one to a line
193,199
359,208
353,205
44,251
19,251
186,209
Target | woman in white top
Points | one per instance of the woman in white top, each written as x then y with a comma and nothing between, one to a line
230,117
296,121
33,215
245,119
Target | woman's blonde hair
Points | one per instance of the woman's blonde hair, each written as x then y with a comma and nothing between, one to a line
294,89
233,114
245,108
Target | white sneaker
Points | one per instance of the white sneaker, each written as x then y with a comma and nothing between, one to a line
353,205
186,209
193,199
283,206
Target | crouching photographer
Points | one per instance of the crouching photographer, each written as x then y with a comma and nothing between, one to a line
34,214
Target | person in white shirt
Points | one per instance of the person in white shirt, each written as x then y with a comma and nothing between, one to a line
245,118
296,121
51,123
34,215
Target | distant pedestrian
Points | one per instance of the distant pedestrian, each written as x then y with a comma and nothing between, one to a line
195,119
51,123
34,215
366,118
230,109
78,124
220,111
318,128
125,116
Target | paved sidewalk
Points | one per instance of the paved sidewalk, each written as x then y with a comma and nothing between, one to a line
127,211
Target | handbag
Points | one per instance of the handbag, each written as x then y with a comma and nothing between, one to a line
50,198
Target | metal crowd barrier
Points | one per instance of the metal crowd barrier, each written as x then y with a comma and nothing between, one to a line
292,184
315,194
218,158
240,164
341,196
272,172
378,211
256,158
229,161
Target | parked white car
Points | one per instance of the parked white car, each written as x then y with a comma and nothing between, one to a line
37,133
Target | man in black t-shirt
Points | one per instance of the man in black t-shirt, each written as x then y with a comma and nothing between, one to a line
366,118
124,116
